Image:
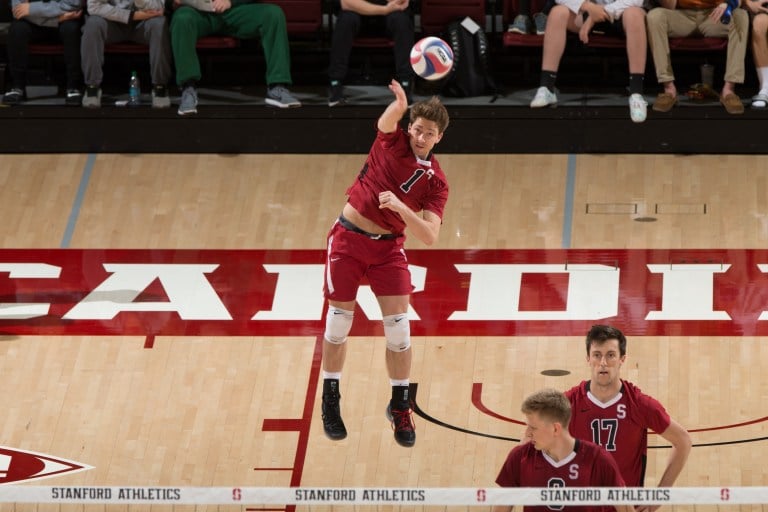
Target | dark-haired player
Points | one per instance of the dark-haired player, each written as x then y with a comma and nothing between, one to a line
615,414
400,186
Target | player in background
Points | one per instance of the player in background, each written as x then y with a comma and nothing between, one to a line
552,457
615,414
400,186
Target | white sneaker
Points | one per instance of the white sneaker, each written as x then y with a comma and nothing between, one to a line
760,100
544,98
638,108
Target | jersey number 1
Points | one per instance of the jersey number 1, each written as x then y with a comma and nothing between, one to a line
406,187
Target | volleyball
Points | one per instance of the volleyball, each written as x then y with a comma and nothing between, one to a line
431,58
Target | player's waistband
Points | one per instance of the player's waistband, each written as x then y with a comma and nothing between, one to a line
373,236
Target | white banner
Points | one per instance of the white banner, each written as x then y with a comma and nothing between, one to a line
383,496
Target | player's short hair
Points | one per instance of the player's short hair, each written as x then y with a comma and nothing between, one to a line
431,110
599,334
550,404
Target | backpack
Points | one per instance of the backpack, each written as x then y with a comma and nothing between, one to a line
471,74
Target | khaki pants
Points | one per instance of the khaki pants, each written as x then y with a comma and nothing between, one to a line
665,23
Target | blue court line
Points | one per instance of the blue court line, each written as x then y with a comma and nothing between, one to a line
570,185
75,212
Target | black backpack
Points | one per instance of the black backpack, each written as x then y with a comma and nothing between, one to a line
471,74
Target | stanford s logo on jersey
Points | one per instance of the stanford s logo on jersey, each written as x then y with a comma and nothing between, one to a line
22,466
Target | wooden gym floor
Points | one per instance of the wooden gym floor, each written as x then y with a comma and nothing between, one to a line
243,410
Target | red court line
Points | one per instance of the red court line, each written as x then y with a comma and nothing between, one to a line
149,341
734,425
477,401
301,425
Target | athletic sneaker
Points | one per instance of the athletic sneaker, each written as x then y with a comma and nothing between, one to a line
638,108
544,98
188,104
13,97
332,422
760,100
402,424
160,98
92,97
74,98
520,25
280,96
540,22
336,95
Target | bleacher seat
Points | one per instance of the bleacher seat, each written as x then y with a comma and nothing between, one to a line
304,18
437,14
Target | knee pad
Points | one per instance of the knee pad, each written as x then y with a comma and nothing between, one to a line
338,323
397,330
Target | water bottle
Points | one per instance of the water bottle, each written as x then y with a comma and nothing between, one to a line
134,90
730,6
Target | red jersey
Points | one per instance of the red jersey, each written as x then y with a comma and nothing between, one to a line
588,465
620,426
391,165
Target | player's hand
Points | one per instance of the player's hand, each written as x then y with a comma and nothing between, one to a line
389,201
221,5
586,27
397,5
597,13
72,15
717,12
21,11
397,90
145,15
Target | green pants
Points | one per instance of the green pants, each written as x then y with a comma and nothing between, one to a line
245,21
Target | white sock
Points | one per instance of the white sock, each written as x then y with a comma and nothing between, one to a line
399,382
331,375
762,75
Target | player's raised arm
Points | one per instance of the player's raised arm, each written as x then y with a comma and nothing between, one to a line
390,119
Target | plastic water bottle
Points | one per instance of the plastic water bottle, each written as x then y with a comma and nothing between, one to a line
728,13
134,90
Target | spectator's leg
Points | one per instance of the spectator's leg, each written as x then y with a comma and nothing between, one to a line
633,20
760,50
69,33
662,24
187,26
738,34
97,32
19,37
560,20
400,28
344,32
267,22
154,32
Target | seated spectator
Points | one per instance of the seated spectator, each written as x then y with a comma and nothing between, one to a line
522,23
375,17
236,18
114,21
697,18
54,20
621,17
759,9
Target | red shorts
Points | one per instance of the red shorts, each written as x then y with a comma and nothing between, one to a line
353,256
